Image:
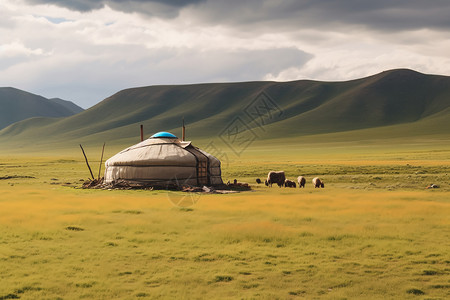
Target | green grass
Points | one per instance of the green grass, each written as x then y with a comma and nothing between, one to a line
374,232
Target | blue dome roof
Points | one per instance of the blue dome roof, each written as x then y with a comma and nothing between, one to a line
163,134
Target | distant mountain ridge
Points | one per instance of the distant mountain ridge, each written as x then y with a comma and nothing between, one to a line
17,105
415,102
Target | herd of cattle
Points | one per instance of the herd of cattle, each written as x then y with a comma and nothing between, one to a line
279,178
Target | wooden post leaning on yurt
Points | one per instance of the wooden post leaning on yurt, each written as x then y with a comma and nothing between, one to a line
142,132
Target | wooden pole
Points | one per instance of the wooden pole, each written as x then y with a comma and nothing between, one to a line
101,160
142,132
183,133
89,167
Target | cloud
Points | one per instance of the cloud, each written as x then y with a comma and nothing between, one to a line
190,66
275,15
169,8
78,5
15,49
16,52
97,54
384,15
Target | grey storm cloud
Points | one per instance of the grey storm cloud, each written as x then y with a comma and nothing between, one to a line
164,8
385,15
380,14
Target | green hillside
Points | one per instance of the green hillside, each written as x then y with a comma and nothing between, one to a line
68,104
396,103
17,105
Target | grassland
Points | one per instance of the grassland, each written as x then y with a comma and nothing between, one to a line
374,232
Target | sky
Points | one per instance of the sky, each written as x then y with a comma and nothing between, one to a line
87,50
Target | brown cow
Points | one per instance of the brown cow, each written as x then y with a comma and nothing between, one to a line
275,177
289,183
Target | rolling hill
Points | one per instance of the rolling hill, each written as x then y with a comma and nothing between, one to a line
67,104
393,103
17,105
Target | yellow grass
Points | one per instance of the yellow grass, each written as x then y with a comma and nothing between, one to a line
359,238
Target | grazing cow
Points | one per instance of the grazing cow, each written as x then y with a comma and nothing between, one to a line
301,181
318,183
275,177
258,181
289,183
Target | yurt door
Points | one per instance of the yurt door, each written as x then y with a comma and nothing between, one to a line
202,172
202,166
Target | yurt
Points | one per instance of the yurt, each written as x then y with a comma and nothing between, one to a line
163,160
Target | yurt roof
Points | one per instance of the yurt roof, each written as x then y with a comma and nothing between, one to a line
158,150
163,134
